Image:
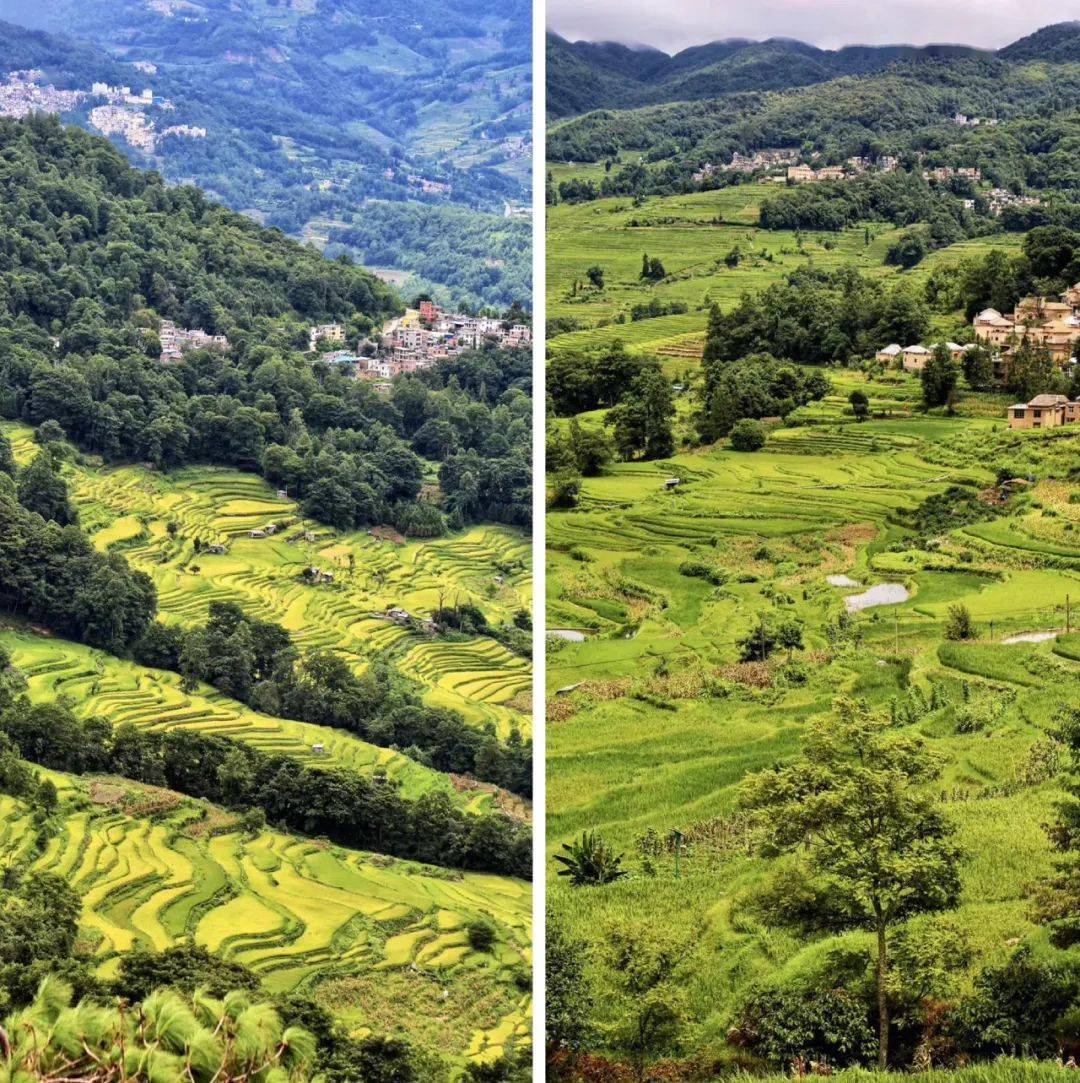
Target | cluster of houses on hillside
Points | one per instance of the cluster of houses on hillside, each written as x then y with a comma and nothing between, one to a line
22,94
947,172
974,122
1054,325
1040,321
425,184
769,158
999,198
133,126
121,95
421,338
806,174
781,165
914,358
115,110
175,341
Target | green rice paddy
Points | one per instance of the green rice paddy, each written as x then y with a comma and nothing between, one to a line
97,683
691,235
381,942
652,725
130,508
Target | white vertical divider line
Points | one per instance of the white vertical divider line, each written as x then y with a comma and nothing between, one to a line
539,172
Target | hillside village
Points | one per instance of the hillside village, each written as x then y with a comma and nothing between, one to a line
422,337
113,110
785,166
1053,326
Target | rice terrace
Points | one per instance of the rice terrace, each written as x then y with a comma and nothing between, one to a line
726,597
381,942
654,721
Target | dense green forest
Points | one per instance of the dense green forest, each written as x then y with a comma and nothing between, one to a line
904,109
473,259
586,75
95,252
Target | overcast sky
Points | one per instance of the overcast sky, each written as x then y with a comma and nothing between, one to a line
675,24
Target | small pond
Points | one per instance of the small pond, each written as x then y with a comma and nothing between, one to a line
572,634
878,594
842,581
1031,637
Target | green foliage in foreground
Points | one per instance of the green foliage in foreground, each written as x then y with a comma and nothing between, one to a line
164,1039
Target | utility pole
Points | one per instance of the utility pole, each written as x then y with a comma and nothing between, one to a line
991,630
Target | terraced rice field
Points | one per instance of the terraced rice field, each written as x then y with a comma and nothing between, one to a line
155,869
381,943
130,508
97,683
656,726
691,235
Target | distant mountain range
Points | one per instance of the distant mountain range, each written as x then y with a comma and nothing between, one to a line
312,109
606,75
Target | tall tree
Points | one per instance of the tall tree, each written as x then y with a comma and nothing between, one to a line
642,420
42,489
856,801
650,993
939,376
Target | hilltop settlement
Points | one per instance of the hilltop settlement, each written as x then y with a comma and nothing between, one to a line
423,337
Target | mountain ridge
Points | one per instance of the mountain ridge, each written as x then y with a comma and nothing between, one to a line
584,75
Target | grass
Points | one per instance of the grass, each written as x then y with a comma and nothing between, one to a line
661,728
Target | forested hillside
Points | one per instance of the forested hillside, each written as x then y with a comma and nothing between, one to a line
908,108
307,112
586,75
264,632
97,253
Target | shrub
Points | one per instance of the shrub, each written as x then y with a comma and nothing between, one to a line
748,435
786,1023
1018,1007
959,624
698,569
480,934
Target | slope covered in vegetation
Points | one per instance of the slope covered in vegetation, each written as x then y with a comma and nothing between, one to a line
207,657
